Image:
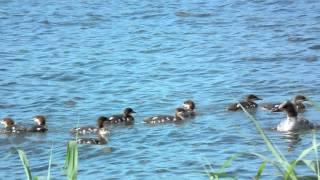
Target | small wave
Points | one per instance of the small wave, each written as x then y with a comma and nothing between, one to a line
315,47
310,58
46,22
9,83
187,14
151,51
70,103
299,39
153,16
7,106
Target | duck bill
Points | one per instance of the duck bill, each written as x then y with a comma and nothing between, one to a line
280,107
308,102
277,109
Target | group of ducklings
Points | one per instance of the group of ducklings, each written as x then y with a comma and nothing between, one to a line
11,127
181,113
293,122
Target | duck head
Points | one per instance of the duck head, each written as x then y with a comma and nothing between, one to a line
7,122
128,111
289,107
189,104
299,99
101,120
252,98
40,120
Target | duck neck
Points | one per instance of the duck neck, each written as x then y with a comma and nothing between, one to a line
100,125
292,112
102,139
292,115
292,118
299,104
179,117
250,101
126,115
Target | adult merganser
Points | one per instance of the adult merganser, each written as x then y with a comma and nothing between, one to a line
293,122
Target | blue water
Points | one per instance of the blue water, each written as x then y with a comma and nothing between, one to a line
76,60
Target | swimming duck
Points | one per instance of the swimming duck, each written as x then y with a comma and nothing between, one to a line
101,139
248,103
179,116
11,127
40,124
293,122
91,129
297,101
189,107
126,117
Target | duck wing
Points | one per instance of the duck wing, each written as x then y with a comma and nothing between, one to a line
159,119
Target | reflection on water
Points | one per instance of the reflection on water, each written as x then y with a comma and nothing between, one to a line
292,139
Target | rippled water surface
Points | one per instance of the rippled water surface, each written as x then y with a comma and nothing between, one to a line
74,61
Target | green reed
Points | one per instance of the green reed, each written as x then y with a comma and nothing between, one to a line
70,166
287,169
25,164
71,163
50,162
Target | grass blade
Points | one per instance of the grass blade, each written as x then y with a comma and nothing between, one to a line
275,152
50,162
268,160
208,169
25,164
309,163
228,163
216,176
315,148
304,153
266,139
71,163
221,172
260,170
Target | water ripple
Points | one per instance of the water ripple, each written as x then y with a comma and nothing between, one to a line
75,62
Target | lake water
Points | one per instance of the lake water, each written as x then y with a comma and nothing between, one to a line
76,60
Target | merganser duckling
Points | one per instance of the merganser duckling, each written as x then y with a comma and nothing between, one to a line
126,117
101,139
11,127
248,103
189,106
40,124
179,116
297,101
91,129
293,122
